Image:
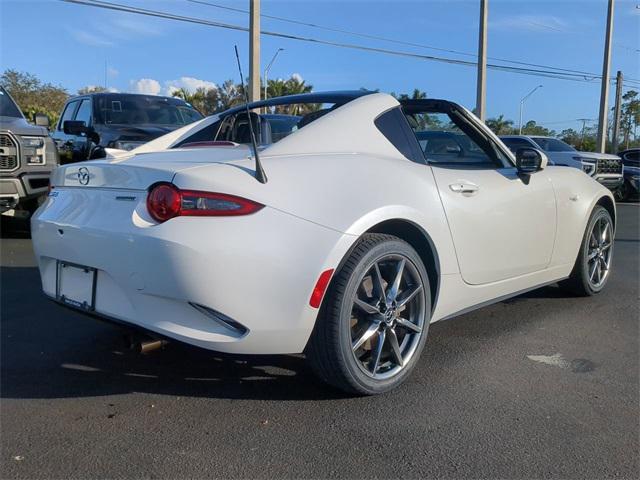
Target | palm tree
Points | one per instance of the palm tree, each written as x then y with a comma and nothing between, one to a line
500,126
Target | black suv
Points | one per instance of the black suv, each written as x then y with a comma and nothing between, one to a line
90,123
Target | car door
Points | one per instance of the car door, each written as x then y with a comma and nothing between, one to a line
65,142
503,224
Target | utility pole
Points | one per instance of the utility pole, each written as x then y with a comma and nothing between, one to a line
254,51
481,94
604,92
616,112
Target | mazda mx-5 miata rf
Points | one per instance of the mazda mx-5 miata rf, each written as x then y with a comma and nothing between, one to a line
343,236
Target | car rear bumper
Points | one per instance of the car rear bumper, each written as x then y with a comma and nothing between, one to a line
258,270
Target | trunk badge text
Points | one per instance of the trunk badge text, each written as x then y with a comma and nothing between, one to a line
128,199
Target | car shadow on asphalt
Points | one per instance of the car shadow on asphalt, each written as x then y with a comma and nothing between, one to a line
48,351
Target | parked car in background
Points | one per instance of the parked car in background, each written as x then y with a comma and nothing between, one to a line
27,156
605,168
90,123
631,172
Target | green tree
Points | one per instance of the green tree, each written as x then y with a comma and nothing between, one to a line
33,96
291,86
500,125
630,117
532,128
92,89
417,94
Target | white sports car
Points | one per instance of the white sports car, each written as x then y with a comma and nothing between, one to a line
362,221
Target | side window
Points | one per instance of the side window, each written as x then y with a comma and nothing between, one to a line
516,143
84,112
68,113
449,141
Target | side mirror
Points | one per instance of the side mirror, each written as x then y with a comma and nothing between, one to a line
530,160
41,120
75,127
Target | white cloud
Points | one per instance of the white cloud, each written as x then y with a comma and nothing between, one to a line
190,84
147,86
112,72
297,77
90,39
534,23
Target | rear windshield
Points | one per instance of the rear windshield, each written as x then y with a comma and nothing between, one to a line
144,110
552,145
7,107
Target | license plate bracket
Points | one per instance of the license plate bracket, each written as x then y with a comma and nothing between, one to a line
76,285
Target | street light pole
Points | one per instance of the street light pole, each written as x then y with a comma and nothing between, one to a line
266,71
522,106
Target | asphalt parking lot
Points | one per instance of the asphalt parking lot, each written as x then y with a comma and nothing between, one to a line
540,386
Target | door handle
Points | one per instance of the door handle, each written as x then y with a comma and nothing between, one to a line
464,187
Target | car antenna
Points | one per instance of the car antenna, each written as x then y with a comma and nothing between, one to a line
260,175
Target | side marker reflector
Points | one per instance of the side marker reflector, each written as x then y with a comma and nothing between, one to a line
320,288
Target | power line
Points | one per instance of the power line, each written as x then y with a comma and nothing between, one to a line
384,39
169,16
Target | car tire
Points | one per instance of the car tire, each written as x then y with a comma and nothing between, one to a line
593,265
372,327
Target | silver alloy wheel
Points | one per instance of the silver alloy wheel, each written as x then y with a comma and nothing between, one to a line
599,252
387,316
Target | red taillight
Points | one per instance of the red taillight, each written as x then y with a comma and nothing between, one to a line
166,201
321,286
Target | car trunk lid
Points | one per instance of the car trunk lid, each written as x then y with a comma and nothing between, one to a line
139,171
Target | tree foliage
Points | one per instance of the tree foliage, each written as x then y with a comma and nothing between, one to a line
34,96
92,89
500,125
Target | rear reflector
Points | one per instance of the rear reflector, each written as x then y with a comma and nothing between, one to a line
320,288
166,201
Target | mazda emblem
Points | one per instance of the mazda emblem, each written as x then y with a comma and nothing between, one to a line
83,175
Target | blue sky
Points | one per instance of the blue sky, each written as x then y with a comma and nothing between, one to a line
69,44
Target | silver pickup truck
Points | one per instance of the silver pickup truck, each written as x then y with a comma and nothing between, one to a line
603,167
27,156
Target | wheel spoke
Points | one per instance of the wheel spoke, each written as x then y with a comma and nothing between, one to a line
368,333
377,353
366,307
593,254
378,283
407,295
409,325
395,347
395,287
593,271
606,246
